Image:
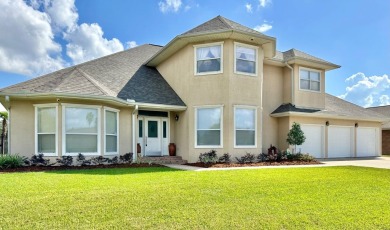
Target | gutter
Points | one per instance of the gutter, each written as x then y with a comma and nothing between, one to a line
292,83
133,132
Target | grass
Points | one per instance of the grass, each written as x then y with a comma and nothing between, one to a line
163,198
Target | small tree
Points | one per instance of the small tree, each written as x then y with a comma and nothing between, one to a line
295,136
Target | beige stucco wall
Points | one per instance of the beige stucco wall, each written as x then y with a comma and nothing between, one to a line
305,98
22,125
226,89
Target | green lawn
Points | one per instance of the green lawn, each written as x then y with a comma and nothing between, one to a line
162,198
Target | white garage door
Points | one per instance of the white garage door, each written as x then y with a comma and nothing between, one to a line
367,142
314,143
340,141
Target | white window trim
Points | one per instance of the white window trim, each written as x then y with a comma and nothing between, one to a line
196,61
66,105
257,59
196,128
117,131
51,105
312,70
234,127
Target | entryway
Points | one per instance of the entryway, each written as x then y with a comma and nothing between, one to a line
153,135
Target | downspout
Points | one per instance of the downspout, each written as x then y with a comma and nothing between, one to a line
292,83
133,118
8,125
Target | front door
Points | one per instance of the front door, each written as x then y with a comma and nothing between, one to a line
153,137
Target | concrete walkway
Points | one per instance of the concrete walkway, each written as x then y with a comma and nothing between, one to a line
377,162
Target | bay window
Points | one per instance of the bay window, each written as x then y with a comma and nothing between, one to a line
208,59
245,126
46,130
245,59
81,130
208,127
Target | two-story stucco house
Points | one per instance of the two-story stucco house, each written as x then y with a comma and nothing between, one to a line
219,86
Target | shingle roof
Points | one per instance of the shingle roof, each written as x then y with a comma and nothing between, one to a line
220,23
334,106
294,53
121,75
385,111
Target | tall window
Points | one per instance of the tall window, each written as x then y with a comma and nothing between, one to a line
245,127
208,59
310,80
111,132
81,130
245,59
209,127
46,123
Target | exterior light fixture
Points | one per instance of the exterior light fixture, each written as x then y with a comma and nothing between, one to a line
177,117
327,123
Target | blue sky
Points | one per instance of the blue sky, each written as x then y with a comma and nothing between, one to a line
40,36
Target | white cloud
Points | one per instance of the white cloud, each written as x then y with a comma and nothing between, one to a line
27,44
29,30
263,27
131,44
169,5
264,3
248,7
367,91
86,42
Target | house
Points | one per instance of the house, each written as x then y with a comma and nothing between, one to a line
384,110
219,86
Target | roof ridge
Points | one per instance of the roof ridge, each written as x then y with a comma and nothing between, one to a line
96,83
224,21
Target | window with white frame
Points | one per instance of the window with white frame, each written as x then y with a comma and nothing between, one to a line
245,126
208,127
245,59
81,130
310,80
111,132
208,59
46,130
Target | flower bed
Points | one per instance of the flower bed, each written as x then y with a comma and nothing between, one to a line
229,165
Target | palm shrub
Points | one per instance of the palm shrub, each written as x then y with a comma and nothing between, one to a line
8,161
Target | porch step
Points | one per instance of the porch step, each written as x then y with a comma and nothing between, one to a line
164,160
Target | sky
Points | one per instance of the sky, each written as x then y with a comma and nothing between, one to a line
41,36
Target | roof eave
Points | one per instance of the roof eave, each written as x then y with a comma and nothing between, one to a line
319,115
326,65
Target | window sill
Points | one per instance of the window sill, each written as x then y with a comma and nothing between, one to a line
208,73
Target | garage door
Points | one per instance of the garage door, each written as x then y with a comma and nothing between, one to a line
314,143
340,141
367,142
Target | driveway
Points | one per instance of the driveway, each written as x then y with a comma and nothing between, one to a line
374,162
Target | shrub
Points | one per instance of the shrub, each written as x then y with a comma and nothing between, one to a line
208,157
113,160
39,160
273,154
247,158
65,160
225,158
11,161
99,160
82,161
126,158
302,157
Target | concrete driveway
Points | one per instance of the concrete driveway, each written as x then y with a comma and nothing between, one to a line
374,162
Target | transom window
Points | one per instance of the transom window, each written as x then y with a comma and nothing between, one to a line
208,59
310,80
208,127
46,130
245,59
111,132
81,130
245,127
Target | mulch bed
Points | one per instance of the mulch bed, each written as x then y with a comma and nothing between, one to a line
53,168
222,165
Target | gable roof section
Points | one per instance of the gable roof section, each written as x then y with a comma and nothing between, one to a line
216,29
115,75
334,107
293,56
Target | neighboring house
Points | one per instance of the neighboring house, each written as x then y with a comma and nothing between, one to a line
219,86
384,110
